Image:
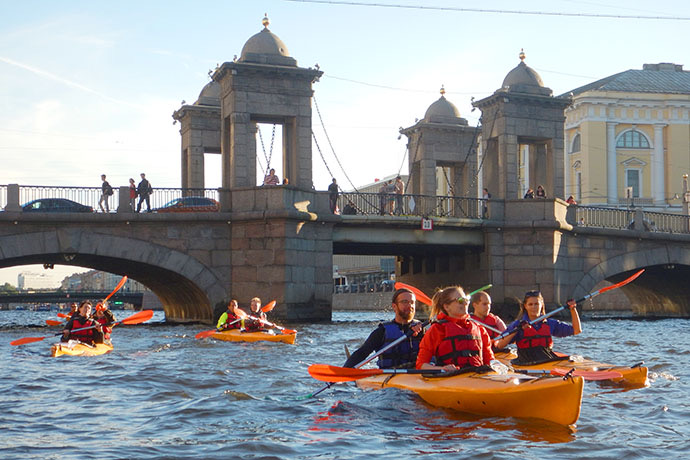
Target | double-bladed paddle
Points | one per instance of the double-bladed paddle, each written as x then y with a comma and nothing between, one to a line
242,314
562,307
562,371
136,318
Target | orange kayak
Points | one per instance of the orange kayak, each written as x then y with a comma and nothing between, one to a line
235,335
631,376
76,348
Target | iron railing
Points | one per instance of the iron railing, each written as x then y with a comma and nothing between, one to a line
410,205
599,217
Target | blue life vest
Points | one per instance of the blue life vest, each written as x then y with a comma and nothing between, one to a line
404,354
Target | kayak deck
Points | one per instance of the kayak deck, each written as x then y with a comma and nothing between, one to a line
235,335
631,376
75,348
495,395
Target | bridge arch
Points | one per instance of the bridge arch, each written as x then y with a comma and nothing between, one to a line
187,288
660,291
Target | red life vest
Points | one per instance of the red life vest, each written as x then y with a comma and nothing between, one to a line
534,337
490,320
230,318
461,345
105,329
86,335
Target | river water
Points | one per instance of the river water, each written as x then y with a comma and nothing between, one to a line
161,394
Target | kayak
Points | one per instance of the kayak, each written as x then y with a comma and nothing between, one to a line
555,399
76,348
235,335
631,376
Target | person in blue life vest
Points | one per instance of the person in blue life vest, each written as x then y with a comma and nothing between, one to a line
230,318
534,343
81,319
403,355
453,341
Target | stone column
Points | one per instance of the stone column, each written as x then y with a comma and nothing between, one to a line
427,179
658,172
13,198
611,163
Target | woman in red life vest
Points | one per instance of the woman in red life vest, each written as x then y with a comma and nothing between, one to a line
81,320
453,341
106,319
481,311
535,342
254,323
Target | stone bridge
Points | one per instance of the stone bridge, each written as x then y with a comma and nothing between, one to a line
278,243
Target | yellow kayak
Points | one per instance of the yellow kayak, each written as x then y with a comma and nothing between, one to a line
494,395
631,376
76,348
235,335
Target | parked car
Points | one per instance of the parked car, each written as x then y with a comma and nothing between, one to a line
190,204
55,205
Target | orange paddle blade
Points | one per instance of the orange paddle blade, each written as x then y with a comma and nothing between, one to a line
26,340
62,315
204,334
417,292
137,318
117,288
269,306
53,322
622,283
328,373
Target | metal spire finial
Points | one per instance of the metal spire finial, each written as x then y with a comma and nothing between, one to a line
522,54
443,91
265,21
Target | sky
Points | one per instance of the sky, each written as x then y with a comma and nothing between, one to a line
89,87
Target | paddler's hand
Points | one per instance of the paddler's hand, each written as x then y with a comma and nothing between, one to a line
450,367
571,303
416,329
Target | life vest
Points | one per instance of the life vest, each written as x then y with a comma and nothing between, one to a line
490,320
86,335
107,330
460,345
251,324
535,346
230,318
404,354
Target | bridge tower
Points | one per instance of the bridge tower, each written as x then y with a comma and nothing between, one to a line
442,139
522,136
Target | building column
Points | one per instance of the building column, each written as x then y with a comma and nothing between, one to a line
611,164
658,172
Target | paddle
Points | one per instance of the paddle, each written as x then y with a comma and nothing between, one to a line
562,307
136,318
238,312
585,374
491,328
425,299
53,322
328,373
63,315
117,288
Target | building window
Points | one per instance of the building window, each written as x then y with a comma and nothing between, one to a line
633,179
632,139
575,146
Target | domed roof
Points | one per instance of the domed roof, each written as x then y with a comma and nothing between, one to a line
443,111
524,79
209,95
266,48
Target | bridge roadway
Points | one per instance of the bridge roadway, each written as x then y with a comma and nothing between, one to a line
278,243
134,298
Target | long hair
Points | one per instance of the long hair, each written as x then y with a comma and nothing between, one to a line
528,295
442,297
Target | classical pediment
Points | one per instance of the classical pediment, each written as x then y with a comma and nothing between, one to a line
633,163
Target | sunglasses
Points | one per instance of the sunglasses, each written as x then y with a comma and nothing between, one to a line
463,300
532,294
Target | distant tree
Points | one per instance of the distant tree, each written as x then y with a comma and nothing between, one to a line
7,288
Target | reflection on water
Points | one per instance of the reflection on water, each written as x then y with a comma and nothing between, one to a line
163,394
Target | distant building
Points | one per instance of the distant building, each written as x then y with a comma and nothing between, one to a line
94,280
627,138
30,280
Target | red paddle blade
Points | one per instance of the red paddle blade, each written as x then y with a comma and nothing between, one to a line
588,375
26,340
622,283
137,318
117,288
328,373
62,315
204,334
53,322
269,306
418,293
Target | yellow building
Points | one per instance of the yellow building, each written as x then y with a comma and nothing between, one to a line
627,138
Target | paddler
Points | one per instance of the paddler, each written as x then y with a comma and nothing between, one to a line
481,311
80,320
453,341
106,319
403,355
534,343
254,323
229,319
